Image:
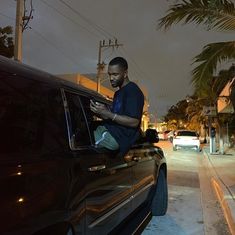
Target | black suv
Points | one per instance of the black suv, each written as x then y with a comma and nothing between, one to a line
53,178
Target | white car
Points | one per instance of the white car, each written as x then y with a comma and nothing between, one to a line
186,139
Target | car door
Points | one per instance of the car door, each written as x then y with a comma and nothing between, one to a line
108,182
34,158
144,173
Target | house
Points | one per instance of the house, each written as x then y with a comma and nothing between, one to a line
224,104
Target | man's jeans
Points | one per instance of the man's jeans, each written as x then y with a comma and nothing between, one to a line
104,139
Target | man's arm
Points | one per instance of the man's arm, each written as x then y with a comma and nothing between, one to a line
125,120
102,111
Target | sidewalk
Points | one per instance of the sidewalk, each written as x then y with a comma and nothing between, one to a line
222,170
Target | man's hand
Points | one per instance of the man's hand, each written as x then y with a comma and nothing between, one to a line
100,109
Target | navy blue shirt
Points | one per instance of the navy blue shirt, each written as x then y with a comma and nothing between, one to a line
128,101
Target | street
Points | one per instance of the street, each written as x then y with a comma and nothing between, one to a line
192,207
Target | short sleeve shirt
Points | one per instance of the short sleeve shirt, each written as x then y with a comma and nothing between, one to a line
128,101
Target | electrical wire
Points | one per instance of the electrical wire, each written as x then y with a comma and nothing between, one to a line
52,44
11,18
136,69
26,19
71,20
136,65
97,27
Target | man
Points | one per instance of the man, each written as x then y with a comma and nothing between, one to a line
122,123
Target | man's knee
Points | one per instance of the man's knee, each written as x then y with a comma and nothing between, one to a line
104,139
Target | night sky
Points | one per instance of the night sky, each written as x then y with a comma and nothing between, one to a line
63,37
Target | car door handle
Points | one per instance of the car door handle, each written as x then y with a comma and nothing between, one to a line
97,168
136,159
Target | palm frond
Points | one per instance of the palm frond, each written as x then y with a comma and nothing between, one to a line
220,15
211,55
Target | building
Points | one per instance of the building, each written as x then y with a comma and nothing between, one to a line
88,82
224,104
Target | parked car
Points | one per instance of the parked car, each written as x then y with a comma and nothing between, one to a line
160,135
170,136
163,135
186,139
53,178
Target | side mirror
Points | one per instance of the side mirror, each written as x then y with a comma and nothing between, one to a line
151,136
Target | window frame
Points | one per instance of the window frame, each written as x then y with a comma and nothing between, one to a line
69,122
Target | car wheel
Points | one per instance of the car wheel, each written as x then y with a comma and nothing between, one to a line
160,197
174,148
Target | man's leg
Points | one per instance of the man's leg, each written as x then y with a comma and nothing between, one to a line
104,139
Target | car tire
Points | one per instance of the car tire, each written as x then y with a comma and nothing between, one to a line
160,197
174,148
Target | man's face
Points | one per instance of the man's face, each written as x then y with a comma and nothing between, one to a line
116,75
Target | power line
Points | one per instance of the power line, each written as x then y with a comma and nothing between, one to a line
52,44
138,75
55,47
11,18
71,20
97,27
26,19
136,65
138,71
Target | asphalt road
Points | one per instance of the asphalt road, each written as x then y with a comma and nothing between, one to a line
192,207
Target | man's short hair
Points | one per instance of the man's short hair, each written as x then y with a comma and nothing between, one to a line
119,61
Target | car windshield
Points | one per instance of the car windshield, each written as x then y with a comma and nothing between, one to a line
186,133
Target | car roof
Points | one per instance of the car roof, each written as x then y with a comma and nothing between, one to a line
15,68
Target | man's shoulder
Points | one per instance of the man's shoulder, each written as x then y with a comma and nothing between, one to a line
135,87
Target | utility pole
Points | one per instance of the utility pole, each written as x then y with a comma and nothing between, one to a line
101,65
19,30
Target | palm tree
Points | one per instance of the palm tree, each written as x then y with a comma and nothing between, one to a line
215,14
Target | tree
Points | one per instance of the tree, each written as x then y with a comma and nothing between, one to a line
6,42
177,114
214,14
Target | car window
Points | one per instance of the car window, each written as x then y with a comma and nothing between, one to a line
78,130
92,120
26,123
186,133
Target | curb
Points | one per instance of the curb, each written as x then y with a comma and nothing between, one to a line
225,199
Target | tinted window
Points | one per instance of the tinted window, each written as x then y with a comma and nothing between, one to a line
78,130
186,133
92,120
27,116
